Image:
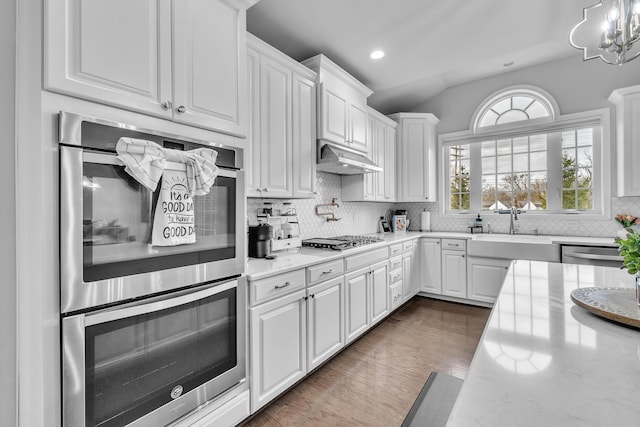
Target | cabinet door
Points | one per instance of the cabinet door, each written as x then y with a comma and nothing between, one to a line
325,305
304,137
431,268
378,155
485,278
117,52
379,278
333,120
408,279
278,332
356,304
413,159
390,165
454,273
357,137
210,64
275,128
252,168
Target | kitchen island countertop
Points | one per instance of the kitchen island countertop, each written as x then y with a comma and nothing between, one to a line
543,361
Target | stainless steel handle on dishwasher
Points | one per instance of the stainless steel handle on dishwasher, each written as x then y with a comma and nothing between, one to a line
583,255
181,109
329,271
282,286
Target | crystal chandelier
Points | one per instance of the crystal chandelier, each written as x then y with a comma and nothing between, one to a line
608,31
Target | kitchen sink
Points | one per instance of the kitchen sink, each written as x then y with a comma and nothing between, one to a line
510,246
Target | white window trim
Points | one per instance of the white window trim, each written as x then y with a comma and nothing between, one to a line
602,169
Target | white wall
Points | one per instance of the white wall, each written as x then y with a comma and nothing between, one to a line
8,217
576,86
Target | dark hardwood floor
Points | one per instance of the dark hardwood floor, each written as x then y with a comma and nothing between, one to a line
375,381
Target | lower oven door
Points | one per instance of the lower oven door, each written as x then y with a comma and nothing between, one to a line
150,363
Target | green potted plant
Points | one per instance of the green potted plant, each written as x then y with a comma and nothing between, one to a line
629,247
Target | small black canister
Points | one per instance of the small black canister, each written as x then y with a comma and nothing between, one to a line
260,240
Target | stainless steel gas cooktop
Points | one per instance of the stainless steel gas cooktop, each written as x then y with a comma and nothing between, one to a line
339,243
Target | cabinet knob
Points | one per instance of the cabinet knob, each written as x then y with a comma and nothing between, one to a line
181,109
265,189
166,105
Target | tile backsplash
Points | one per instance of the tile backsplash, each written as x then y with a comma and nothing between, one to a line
355,217
528,223
362,217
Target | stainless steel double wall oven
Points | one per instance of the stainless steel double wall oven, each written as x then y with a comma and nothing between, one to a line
149,333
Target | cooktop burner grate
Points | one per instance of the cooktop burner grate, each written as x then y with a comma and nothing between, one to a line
340,242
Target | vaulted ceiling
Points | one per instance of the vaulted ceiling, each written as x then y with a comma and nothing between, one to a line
430,45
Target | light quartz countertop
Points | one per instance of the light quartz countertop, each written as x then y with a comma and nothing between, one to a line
258,268
543,361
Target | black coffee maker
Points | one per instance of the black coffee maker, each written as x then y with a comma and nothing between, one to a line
260,240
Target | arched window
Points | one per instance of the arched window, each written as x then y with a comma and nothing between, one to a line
521,153
515,104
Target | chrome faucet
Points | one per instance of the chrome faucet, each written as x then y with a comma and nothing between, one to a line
513,216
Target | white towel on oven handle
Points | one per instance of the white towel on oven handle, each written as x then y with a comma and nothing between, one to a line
145,161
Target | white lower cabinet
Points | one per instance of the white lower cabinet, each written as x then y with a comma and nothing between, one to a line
410,270
395,295
486,276
278,331
379,292
430,265
367,298
454,273
356,303
325,310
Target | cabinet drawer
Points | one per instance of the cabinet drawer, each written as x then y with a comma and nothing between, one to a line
327,270
395,276
275,286
365,259
395,292
395,263
454,244
395,249
408,246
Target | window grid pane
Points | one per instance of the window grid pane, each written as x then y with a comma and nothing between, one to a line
460,178
519,178
577,169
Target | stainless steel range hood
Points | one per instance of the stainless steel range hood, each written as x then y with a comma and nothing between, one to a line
334,159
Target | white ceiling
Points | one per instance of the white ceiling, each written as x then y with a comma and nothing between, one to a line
430,44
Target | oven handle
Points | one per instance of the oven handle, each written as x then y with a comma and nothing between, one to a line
157,304
111,159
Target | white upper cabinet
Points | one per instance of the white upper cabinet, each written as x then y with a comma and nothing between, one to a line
627,102
281,159
181,60
375,186
342,110
417,151
304,137
209,64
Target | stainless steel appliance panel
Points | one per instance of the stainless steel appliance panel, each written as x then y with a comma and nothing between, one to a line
112,263
607,256
162,325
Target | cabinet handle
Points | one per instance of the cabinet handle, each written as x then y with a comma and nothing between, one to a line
181,109
282,286
166,105
506,268
265,189
462,256
438,242
331,270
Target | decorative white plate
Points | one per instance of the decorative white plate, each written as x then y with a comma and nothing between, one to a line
617,304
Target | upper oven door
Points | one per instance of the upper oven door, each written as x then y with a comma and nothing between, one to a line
106,218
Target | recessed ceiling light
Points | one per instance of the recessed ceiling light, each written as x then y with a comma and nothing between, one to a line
376,54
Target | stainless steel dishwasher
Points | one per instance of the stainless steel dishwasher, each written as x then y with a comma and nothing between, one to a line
607,256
